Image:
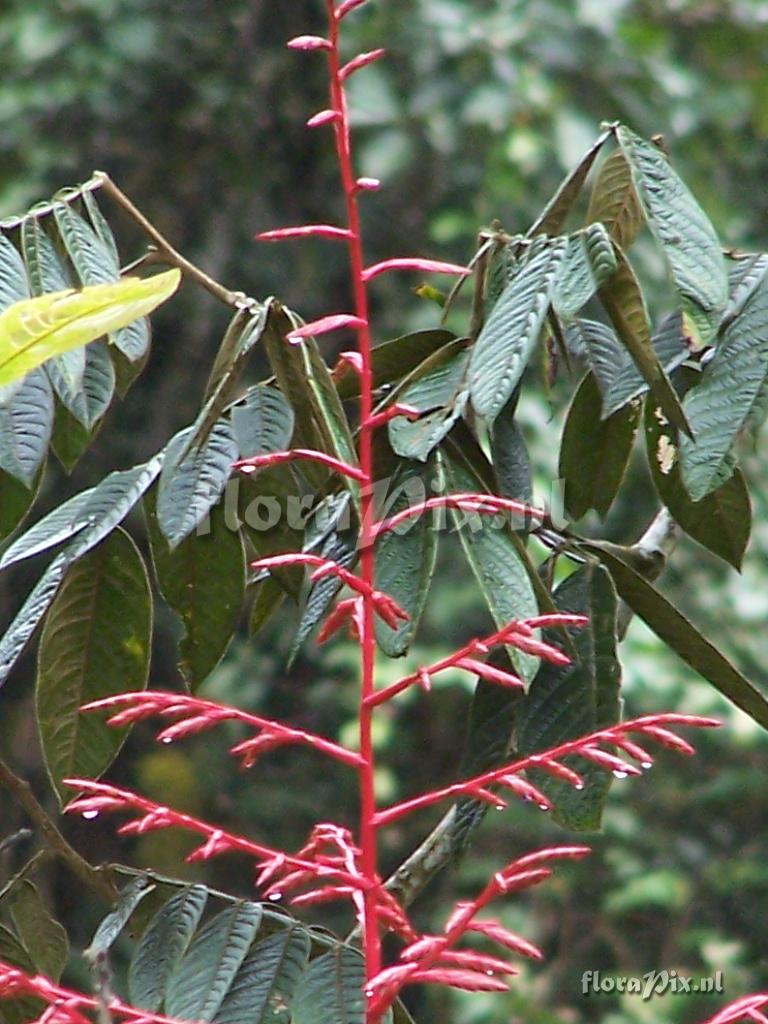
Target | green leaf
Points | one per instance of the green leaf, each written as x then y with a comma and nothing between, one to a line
263,422
27,619
393,360
721,521
268,977
17,1011
26,421
271,509
34,330
197,987
495,560
443,390
624,303
671,347
15,501
721,404
501,352
162,946
594,453
554,215
689,241
614,201
598,345
338,547
46,270
745,274
675,630
510,458
97,388
589,261
405,557
203,580
40,933
565,702
331,989
96,642
100,225
193,479
13,276
268,598
112,925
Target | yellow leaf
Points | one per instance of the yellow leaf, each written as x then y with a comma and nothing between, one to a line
34,330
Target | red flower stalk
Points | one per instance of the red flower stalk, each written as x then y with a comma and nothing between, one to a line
748,1008
276,458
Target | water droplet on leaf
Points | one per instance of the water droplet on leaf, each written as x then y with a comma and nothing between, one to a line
275,896
90,815
618,774
646,764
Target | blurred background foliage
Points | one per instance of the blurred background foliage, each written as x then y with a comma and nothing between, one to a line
196,109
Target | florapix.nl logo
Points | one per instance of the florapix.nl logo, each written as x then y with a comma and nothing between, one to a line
652,983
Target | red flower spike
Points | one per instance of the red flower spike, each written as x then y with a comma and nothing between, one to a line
524,880
367,184
527,791
276,458
309,43
326,895
668,739
213,846
423,947
634,750
559,771
398,409
325,325
305,231
503,937
477,961
610,761
347,359
493,799
469,981
746,1008
490,673
424,266
361,61
323,117
345,8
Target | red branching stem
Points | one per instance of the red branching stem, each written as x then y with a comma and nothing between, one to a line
276,458
485,504
192,715
748,1008
585,746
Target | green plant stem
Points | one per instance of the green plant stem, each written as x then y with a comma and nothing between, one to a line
93,877
164,252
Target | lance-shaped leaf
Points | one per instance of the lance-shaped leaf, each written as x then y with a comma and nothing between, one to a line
263,422
509,454
203,580
720,521
495,560
554,215
40,933
193,479
331,989
689,241
746,274
268,596
510,333
730,390
441,395
34,330
12,951
97,388
199,984
95,260
272,508
589,261
163,944
28,618
96,641
614,201
26,422
13,277
594,453
568,701
338,547
405,558
675,630
111,926
625,305
263,988
392,360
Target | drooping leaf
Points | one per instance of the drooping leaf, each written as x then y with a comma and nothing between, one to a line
203,580
599,347
504,346
405,557
162,946
392,360
263,988
594,453
96,641
97,388
331,989
100,224
625,305
553,217
111,926
26,421
27,619
689,241
34,330
200,982
721,520
675,630
443,390
589,261
720,405
745,275
614,201
15,501
509,454
263,422
193,479
24,1009
496,563
44,937
565,702
13,277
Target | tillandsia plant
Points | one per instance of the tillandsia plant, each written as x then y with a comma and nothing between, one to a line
436,422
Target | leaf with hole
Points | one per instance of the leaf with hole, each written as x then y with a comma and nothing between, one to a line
96,641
